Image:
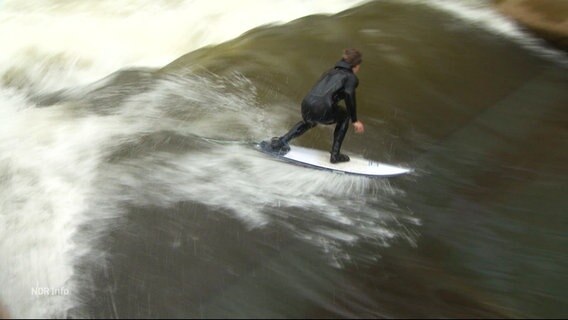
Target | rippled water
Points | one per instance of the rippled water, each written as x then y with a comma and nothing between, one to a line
129,183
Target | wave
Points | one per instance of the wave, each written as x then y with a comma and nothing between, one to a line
481,13
57,44
50,157
70,171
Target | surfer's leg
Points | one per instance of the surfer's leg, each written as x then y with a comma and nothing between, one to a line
311,112
310,115
280,144
338,135
299,129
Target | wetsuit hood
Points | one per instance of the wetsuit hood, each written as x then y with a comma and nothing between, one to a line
344,65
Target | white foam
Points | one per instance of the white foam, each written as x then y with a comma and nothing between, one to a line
52,159
44,187
55,44
54,176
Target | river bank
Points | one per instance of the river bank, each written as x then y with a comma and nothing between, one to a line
547,19
3,313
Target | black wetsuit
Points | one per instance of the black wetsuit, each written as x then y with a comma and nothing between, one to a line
320,105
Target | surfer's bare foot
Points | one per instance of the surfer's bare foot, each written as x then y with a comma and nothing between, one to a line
336,158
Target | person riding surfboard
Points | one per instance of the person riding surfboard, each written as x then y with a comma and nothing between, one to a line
320,106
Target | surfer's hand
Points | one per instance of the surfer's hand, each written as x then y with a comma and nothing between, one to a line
359,127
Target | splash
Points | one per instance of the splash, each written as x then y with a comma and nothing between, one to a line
56,44
69,166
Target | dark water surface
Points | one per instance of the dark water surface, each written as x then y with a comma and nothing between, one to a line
204,226
478,231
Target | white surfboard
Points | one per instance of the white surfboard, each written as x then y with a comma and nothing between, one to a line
357,166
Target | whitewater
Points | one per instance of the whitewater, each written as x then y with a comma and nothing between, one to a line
50,159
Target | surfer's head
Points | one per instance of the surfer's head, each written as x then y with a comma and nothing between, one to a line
353,57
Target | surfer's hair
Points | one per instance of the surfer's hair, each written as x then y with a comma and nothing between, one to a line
352,56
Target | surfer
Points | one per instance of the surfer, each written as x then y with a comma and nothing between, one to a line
320,106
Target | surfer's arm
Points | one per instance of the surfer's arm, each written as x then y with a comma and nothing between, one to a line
350,100
351,103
